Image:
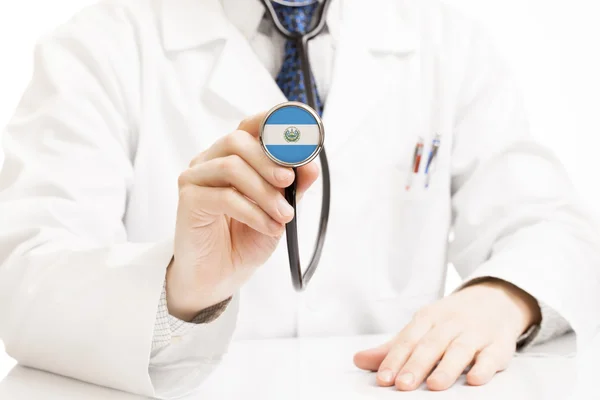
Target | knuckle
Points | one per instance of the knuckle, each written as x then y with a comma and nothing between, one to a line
228,195
196,160
230,164
183,179
186,193
416,365
245,122
405,343
255,218
390,361
463,346
230,141
426,347
408,338
402,339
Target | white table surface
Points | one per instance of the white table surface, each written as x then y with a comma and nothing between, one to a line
316,368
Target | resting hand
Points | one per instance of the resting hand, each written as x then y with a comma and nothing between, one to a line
478,325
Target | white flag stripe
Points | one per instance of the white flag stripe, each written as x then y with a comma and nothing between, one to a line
273,134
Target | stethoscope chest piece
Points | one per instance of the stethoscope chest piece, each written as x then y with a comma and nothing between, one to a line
292,134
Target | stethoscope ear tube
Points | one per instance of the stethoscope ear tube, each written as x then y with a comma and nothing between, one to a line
321,13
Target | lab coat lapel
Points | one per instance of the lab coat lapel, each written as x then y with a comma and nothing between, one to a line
370,32
238,84
240,81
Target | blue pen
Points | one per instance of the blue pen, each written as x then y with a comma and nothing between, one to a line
435,145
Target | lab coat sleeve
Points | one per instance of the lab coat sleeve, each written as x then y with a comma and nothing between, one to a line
76,297
516,215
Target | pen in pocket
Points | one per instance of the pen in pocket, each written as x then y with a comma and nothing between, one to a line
435,145
416,162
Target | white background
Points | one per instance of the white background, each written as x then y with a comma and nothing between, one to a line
552,46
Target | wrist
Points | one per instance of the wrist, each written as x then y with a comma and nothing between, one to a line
177,305
521,304
184,300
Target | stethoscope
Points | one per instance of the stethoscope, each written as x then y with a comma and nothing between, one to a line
279,131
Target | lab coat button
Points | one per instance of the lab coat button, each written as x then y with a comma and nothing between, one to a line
176,339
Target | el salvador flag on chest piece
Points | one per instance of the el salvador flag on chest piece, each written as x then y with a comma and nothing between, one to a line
292,134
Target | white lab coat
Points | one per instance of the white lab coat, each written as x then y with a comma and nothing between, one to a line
125,95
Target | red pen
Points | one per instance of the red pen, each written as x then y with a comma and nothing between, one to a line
416,162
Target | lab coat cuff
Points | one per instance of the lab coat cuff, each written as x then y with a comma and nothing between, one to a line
179,368
162,324
552,325
179,327
167,327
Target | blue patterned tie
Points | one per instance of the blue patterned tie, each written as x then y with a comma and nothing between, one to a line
296,19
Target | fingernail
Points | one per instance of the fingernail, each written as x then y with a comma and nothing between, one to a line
407,378
284,208
386,376
283,175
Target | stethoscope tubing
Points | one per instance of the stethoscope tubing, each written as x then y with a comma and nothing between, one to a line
321,13
300,280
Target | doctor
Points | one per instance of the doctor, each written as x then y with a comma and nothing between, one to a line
141,221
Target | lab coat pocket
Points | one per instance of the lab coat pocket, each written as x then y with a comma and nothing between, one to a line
417,226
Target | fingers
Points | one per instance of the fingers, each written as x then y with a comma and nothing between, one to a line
238,161
244,144
425,356
458,356
228,201
492,359
407,361
247,147
234,171
371,359
401,350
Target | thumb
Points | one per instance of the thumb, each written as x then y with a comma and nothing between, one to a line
370,359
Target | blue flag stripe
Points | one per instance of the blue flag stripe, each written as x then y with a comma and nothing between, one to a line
291,154
291,115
